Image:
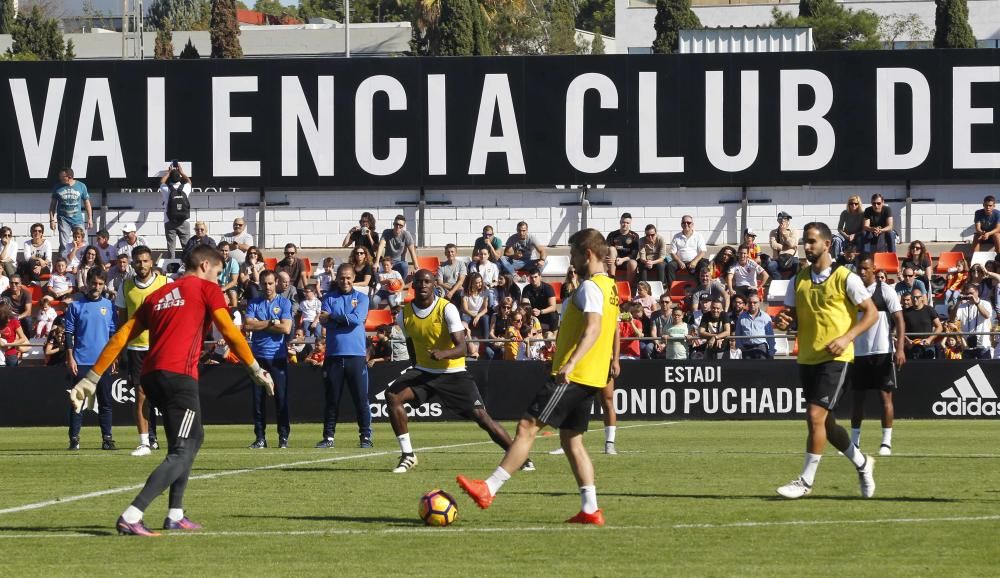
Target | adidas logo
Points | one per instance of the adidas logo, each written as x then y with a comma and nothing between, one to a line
172,299
972,395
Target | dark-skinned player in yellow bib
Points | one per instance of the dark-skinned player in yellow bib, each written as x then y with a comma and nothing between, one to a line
580,368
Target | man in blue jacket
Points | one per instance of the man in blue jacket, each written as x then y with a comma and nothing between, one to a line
90,323
270,319
343,315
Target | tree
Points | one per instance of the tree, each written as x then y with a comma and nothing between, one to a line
164,47
7,15
36,34
276,8
807,8
562,28
178,15
895,26
597,46
361,10
189,52
951,25
594,14
835,27
514,26
455,34
672,16
225,30
480,31
70,53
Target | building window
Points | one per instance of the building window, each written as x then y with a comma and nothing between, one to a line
640,49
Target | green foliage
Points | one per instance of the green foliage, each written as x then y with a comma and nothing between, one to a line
36,34
225,30
835,27
594,14
672,16
7,15
164,47
70,53
189,52
179,15
361,10
807,8
597,46
514,27
276,8
562,28
951,25
456,29
894,26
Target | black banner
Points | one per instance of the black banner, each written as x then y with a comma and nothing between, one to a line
645,390
694,120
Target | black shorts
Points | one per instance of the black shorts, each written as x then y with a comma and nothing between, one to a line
564,406
176,396
457,391
874,372
824,383
134,359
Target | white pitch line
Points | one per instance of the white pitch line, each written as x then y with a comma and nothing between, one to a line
491,530
122,489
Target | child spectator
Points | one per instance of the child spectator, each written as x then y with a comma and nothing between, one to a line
397,339
55,345
61,282
955,282
298,350
46,317
954,347
310,307
644,297
325,279
318,354
675,348
628,327
390,286
849,258
379,346
734,351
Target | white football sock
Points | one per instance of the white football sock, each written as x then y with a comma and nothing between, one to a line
809,467
404,443
588,499
856,436
887,436
496,480
132,514
175,514
609,433
144,439
854,454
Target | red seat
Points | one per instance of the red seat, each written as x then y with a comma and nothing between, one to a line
410,294
271,263
557,287
888,262
774,310
678,290
948,259
307,266
36,293
430,263
377,318
624,291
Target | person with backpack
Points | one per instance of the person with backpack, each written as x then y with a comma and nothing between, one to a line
175,187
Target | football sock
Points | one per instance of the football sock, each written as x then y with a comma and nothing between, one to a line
175,514
496,480
810,467
609,433
588,499
887,436
144,439
132,514
856,436
854,454
404,443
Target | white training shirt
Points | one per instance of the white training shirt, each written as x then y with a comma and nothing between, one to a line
856,291
588,298
878,339
454,322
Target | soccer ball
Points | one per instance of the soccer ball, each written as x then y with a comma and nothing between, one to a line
438,508
395,285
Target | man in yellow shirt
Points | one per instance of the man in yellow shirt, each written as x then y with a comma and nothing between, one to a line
825,300
582,362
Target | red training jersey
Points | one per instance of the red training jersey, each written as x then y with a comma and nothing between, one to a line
178,315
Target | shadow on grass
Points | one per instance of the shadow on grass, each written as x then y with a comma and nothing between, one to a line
765,498
90,530
332,518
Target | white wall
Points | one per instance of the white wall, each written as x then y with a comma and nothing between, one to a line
319,220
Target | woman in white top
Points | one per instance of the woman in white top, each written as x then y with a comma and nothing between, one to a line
38,247
475,310
8,251
89,259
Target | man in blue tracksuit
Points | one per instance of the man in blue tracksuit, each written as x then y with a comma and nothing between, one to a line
90,323
270,319
343,315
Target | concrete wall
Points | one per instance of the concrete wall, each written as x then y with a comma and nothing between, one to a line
317,219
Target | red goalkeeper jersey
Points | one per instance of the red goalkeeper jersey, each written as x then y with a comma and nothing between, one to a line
178,315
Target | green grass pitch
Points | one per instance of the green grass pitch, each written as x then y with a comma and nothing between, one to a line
681,498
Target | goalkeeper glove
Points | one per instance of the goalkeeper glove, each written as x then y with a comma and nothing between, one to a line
261,378
82,394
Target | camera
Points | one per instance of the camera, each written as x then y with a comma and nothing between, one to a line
364,230
966,298
625,317
175,163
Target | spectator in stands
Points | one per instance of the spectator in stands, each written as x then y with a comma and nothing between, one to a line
55,345
283,286
390,283
784,241
707,288
498,328
239,240
74,252
953,347
628,329
532,326
90,259
850,227
130,240
973,315
687,249
918,259
325,279
488,270
450,275
175,188
62,283
298,349
318,355
722,262
475,312
19,300
105,249
676,337
397,337
955,282
253,266
737,305
714,328
652,257
294,266
987,224
119,272
506,287
310,308
755,321
12,333
513,346
364,234
982,281
570,282
659,322
645,326
644,297
397,243
878,225
229,276
542,298
38,248
732,350
626,244
750,241
522,252
8,252
70,207
46,317
920,319
849,257
364,268
200,238
908,282
745,275
379,348
489,241
4,283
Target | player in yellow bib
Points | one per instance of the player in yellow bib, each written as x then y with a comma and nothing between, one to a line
134,291
580,369
825,299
